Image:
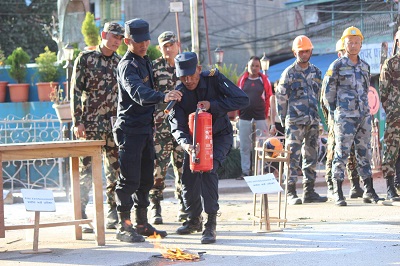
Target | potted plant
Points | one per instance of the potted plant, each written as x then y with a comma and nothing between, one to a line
17,60
3,84
48,72
61,105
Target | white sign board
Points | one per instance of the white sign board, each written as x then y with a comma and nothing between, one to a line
371,53
263,184
38,200
176,7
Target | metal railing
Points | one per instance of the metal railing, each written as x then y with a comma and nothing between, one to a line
40,173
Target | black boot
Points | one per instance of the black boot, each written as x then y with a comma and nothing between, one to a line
156,217
293,199
370,195
355,191
391,190
112,217
338,193
125,232
182,214
143,227
86,228
210,233
309,194
191,225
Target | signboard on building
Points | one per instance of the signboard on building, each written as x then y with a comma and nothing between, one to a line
371,53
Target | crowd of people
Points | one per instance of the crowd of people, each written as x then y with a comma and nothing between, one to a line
141,109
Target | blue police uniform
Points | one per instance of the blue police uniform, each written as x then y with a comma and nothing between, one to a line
133,134
224,96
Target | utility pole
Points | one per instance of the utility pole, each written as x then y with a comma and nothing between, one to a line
194,19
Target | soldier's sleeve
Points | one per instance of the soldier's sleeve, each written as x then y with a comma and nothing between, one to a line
385,81
282,97
322,99
179,125
133,85
232,97
330,87
78,85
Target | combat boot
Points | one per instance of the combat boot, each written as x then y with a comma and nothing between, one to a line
112,217
182,214
370,195
391,190
142,225
292,197
191,225
125,231
355,191
155,210
309,194
338,197
210,231
86,229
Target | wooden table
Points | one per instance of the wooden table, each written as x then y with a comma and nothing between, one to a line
61,149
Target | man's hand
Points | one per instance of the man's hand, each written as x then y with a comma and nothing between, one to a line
189,148
80,132
174,95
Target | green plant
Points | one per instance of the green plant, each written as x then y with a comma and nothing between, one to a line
17,61
90,31
229,71
153,52
122,49
47,68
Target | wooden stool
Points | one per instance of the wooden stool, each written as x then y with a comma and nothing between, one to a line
263,216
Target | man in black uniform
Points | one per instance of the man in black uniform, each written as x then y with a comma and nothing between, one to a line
217,95
133,132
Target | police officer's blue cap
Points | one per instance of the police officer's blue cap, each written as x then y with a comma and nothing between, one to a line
137,29
185,64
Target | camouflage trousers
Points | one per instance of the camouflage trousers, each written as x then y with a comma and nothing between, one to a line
392,143
303,141
111,167
167,151
349,130
351,163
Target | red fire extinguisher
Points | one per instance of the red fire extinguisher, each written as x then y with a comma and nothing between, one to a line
200,127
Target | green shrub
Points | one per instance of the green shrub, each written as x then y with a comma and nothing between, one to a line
90,31
17,61
47,68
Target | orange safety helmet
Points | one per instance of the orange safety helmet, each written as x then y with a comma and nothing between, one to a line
352,31
302,43
339,45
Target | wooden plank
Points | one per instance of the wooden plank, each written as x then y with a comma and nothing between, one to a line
45,225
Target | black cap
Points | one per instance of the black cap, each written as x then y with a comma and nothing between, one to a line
137,29
185,64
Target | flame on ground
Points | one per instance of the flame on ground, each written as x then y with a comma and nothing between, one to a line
173,253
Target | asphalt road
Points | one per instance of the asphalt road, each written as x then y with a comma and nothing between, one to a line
315,234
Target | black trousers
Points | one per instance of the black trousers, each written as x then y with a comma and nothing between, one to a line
136,158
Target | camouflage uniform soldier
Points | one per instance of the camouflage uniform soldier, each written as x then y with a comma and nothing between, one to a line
165,80
346,95
389,87
355,191
297,97
94,92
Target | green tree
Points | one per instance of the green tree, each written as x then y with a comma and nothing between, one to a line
90,31
153,52
17,61
22,25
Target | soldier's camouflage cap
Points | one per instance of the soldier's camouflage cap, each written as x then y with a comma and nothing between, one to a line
166,37
114,28
137,29
185,64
